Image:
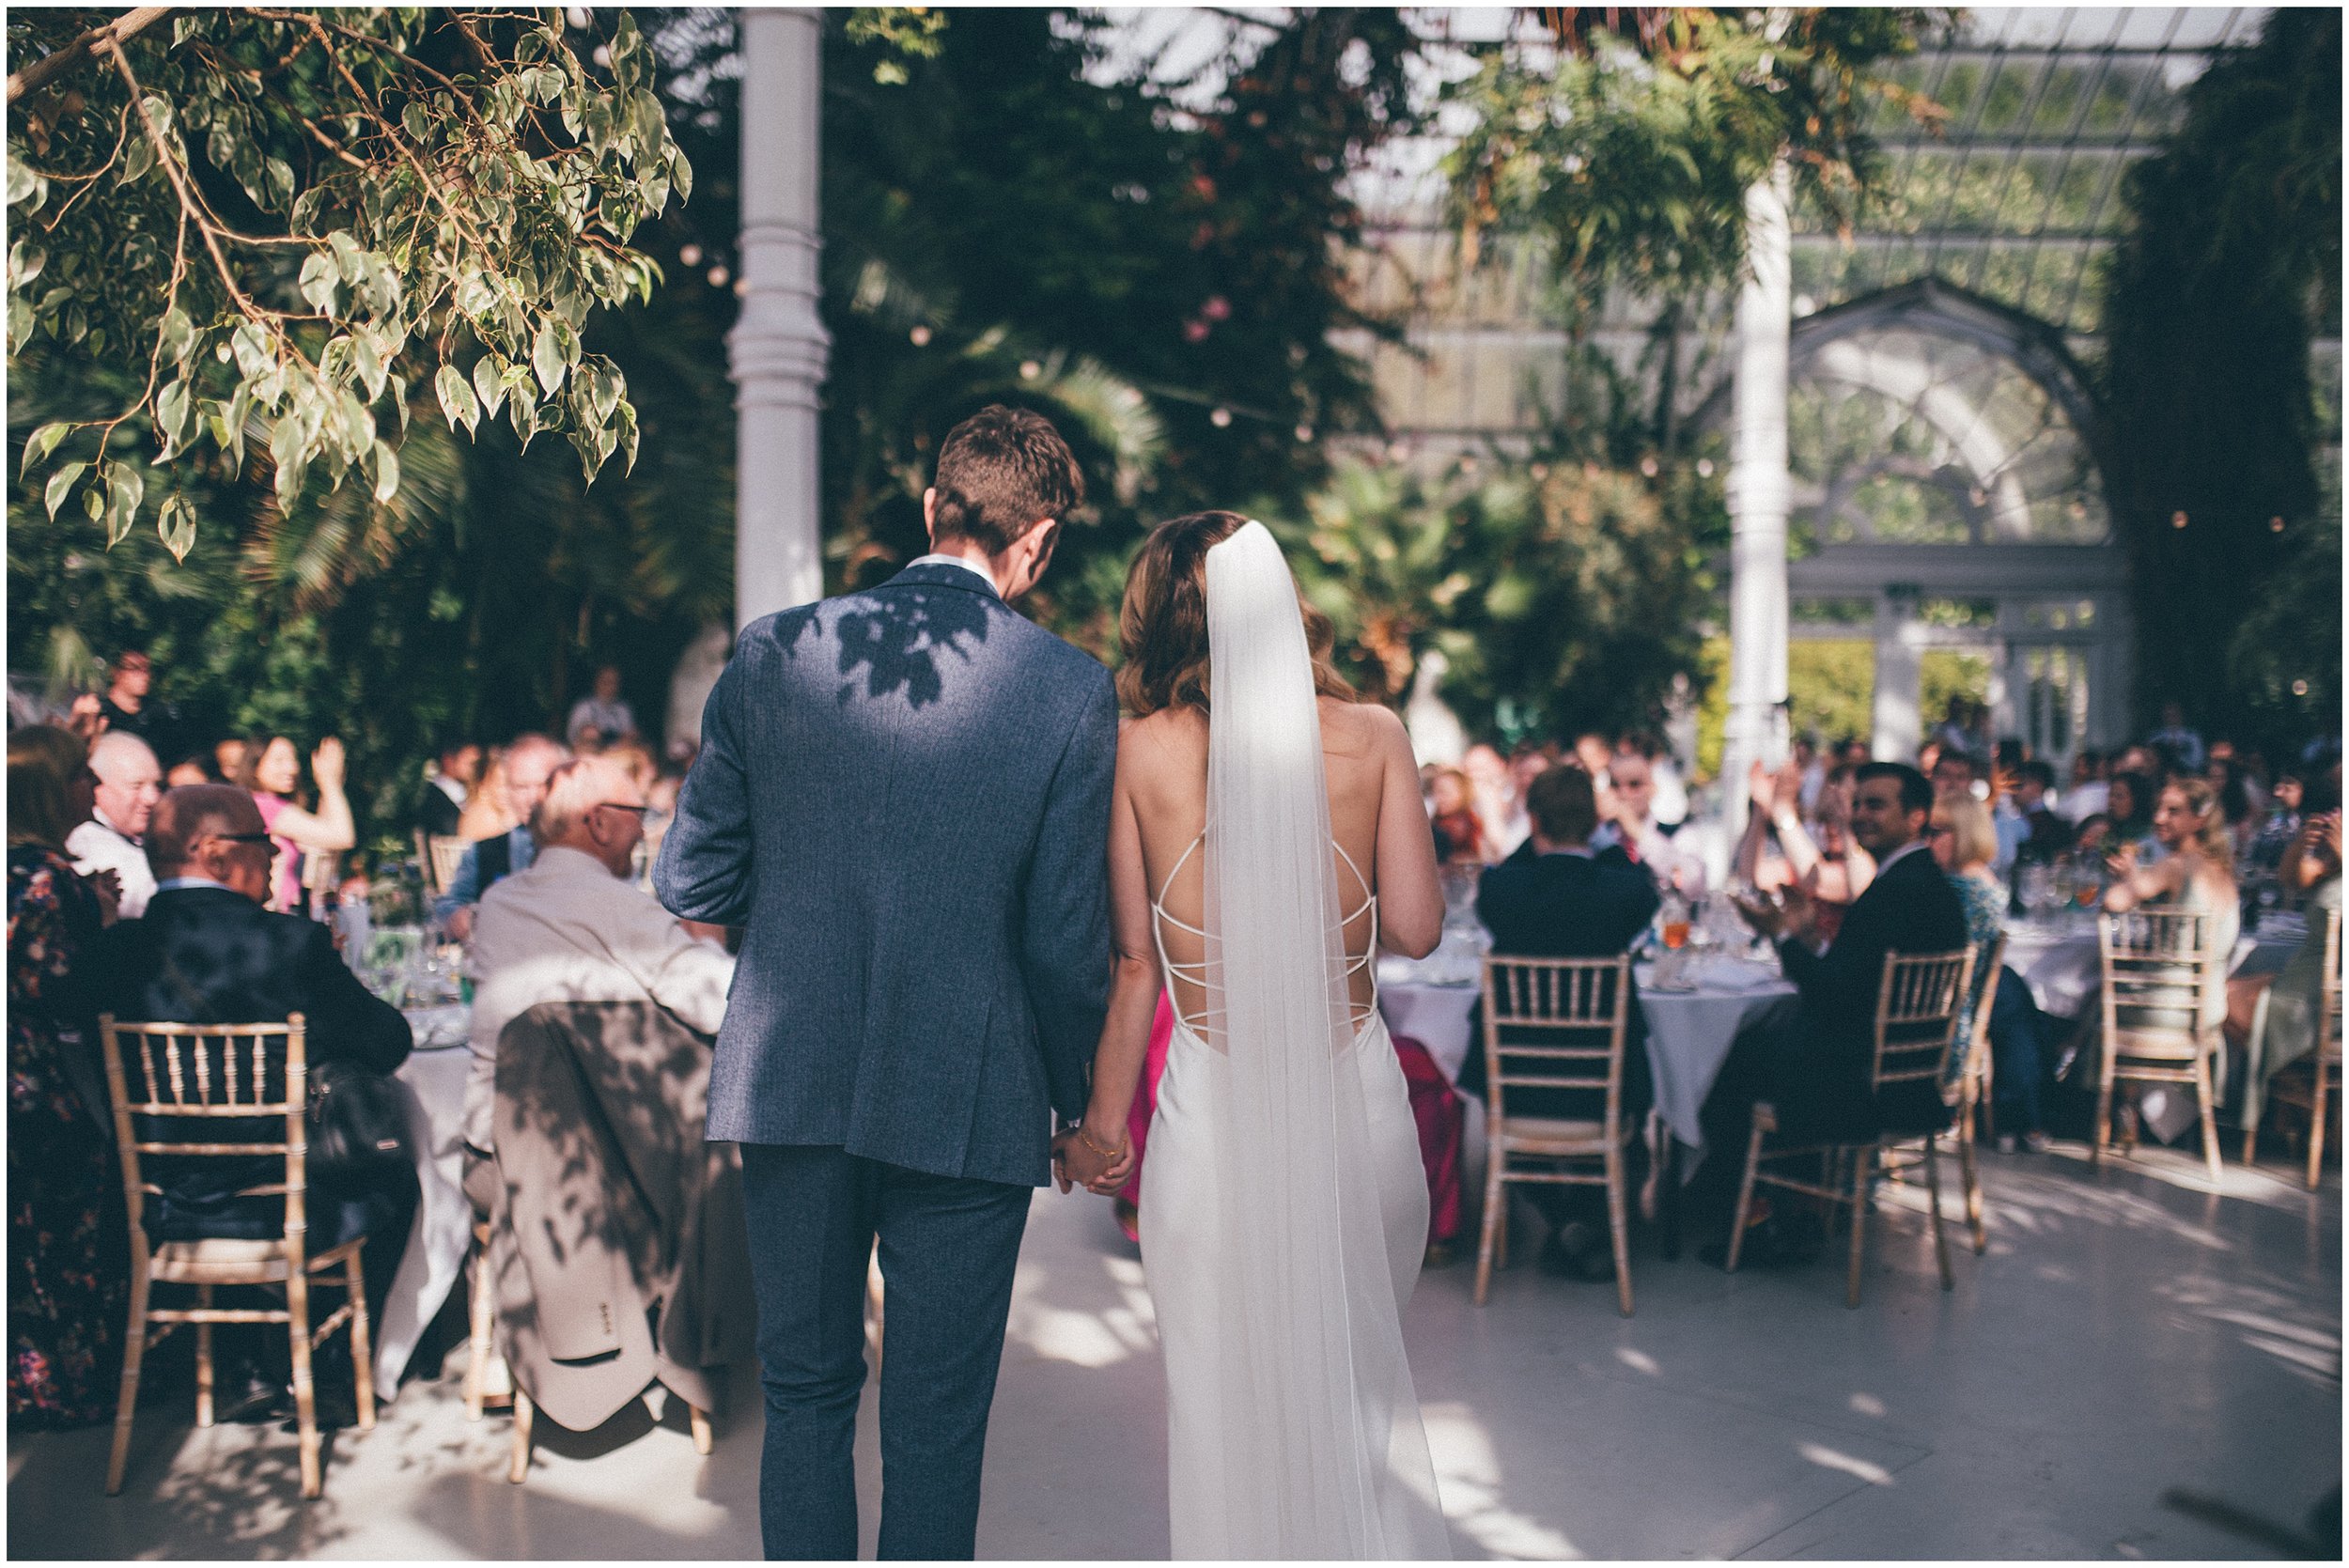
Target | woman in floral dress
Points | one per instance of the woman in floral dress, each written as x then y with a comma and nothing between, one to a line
68,1265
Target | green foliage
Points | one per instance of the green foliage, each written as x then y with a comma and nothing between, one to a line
2235,246
1637,159
1830,687
288,220
1007,224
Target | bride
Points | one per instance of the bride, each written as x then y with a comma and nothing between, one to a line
1265,835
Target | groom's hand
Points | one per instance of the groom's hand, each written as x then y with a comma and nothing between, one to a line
1060,1141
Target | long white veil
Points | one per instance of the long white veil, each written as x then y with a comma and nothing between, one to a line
1330,1460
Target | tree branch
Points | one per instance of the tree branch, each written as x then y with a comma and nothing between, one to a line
40,71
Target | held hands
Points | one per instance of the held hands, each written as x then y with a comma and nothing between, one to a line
1078,1161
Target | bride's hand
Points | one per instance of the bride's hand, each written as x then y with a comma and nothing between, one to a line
1082,1162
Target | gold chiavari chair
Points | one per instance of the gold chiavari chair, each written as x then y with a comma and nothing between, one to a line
1556,1026
244,1086
1921,1013
2158,974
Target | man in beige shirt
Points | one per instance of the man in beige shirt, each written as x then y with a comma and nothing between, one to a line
573,928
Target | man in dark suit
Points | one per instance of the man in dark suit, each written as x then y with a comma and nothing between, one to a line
1811,1057
903,799
1557,898
209,950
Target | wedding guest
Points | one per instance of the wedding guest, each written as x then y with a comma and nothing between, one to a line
2310,870
128,784
1668,799
1811,1057
2129,807
571,927
229,759
1964,844
1811,768
272,774
69,1264
2178,739
1829,867
1460,836
1628,809
487,814
1567,901
210,950
2047,834
1952,773
2195,874
2282,823
604,711
455,772
530,762
1593,751
2087,794
189,770
1494,793
127,707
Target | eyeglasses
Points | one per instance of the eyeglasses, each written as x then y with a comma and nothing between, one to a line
620,805
240,838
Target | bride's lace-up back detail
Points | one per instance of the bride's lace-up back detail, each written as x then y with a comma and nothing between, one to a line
1207,1024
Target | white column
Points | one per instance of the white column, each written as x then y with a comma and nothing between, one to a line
1899,680
1758,498
779,344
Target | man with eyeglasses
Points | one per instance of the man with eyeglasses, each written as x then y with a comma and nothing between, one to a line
572,927
209,950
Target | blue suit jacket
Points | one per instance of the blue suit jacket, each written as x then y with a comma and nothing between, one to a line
903,797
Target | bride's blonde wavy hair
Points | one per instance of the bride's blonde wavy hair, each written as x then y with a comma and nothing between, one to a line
1163,623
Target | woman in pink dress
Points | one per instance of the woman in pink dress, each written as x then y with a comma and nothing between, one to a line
273,772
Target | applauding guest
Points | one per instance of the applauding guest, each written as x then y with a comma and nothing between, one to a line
1628,814
452,778
2195,874
1809,1057
272,774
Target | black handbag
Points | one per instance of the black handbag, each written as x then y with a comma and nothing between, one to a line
357,1125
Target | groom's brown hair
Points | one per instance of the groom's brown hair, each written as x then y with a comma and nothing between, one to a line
1002,472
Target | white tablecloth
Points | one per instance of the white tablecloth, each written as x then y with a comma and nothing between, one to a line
2060,964
1688,1034
1435,1016
433,1081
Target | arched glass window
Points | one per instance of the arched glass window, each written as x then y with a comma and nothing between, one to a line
1901,435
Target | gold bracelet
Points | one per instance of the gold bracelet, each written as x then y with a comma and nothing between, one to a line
1087,1139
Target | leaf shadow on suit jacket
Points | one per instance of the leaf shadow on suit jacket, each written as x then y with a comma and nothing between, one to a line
903,800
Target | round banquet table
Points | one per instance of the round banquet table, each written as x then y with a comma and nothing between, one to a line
1690,1030
1437,1015
432,1082
2058,959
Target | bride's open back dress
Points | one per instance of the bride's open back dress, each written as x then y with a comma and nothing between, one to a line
1288,1211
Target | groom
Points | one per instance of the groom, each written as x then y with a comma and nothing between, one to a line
903,799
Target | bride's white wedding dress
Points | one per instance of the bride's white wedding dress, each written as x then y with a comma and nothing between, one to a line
1288,1212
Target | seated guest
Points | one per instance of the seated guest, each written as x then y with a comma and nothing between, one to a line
2195,874
2046,833
452,776
2281,824
1827,866
529,761
128,784
209,951
1963,843
1811,1056
69,1269
1564,901
2129,810
1627,809
487,814
605,714
1460,835
571,927
272,771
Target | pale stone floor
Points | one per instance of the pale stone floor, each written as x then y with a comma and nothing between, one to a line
2130,1335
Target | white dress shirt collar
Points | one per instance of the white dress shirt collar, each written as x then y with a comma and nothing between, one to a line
935,560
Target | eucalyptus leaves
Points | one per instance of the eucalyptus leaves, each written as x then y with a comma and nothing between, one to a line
281,218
